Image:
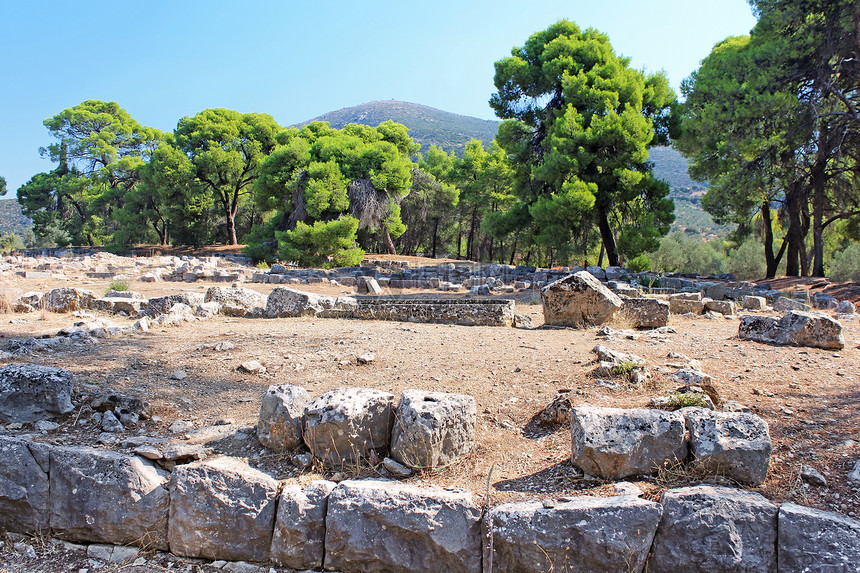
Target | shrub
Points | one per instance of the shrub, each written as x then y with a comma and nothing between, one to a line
119,285
639,264
323,245
680,400
747,261
845,265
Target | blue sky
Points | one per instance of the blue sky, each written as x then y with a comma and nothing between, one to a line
299,59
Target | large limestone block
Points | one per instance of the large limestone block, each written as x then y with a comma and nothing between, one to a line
646,312
683,303
795,328
67,299
784,304
389,527
29,392
725,307
708,529
754,302
433,429
344,425
163,304
614,443
237,301
578,300
106,497
25,502
299,538
584,534
734,444
280,424
815,540
286,302
222,509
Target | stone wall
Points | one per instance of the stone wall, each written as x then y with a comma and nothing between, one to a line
221,509
470,312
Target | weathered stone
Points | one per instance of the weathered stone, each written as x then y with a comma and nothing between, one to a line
251,367
596,272
685,305
734,444
784,304
754,302
280,424
581,534
299,538
688,377
715,529
110,423
368,285
795,328
578,300
237,301
106,497
24,494
812,476
724,307
613,443
646,312
29,392
222,509
389,527
557,411
287,302
854,474
433,429
344,425
846,307
164,304
67,300
814,540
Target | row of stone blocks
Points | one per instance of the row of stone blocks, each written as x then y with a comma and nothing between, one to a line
221,509
348,426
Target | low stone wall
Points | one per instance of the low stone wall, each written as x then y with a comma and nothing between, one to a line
223,509
471,312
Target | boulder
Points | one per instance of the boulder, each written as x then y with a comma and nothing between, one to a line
389,527
724,307
814,540
754,302
222,509
25,503
596,272
784,304
67,300
578,300
734,444
29,392
287,302
613,443
163,304
237,301
795,328
433,429
683,303
581,534
280,424
646,312
846,307
344,425
688,378
557,411
299,538
105,497
711,529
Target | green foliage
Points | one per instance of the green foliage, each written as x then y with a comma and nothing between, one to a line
678,400
10,242
119,285
580,120
845,265
640,264
324,244
747,262
2,185
678,254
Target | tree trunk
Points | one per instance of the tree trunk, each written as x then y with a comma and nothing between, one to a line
794,234
607,236
389,244
470,240
819,206
435,234
770,260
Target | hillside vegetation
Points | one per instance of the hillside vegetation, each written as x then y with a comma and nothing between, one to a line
12,220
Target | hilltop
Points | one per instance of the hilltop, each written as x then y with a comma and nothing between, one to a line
427,125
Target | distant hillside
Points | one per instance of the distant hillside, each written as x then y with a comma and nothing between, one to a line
427,125
11,218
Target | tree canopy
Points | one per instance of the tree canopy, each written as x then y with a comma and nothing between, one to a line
579,122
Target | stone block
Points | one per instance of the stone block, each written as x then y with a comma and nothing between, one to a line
433,429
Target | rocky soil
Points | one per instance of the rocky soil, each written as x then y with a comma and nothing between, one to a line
809,397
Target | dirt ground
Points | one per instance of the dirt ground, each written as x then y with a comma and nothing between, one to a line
809,397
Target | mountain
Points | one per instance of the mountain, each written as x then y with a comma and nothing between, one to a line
427,125
12,220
